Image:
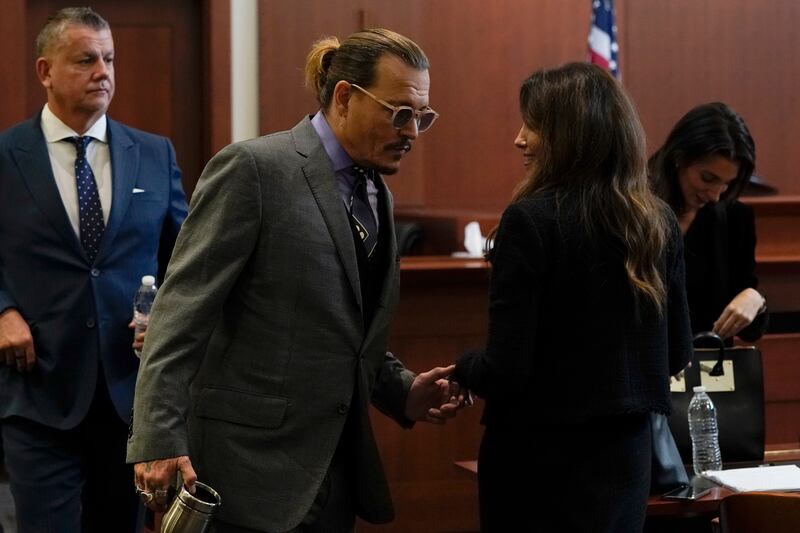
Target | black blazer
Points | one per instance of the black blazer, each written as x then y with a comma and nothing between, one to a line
720,251
567,340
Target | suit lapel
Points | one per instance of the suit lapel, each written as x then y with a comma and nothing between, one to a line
33,162
321,180
124,168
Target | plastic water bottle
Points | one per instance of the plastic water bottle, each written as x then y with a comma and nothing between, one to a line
142,303
705,434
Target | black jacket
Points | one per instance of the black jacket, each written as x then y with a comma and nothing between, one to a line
720,263
567,340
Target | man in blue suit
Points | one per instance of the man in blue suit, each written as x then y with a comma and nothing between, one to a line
87,207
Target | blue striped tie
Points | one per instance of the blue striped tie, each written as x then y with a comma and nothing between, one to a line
90,214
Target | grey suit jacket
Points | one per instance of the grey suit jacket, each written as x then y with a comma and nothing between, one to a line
257,344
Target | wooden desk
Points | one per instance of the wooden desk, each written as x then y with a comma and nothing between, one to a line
708,504
657,506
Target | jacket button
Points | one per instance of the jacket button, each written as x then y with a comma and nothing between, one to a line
95,273
342,408
90,322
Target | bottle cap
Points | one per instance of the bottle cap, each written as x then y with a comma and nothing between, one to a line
148,280
699,388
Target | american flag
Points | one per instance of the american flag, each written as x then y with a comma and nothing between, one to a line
603,36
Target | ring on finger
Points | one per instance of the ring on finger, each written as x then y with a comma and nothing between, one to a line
145,496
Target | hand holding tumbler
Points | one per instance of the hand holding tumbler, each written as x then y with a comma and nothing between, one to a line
191,513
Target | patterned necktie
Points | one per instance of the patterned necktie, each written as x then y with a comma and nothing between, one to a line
361,212
90,212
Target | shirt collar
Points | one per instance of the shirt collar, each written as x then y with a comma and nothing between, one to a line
339,158
55,130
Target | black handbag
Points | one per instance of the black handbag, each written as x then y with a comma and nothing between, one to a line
667,470
735,383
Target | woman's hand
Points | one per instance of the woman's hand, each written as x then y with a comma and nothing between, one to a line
739,313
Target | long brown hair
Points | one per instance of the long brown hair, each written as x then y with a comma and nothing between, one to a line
592,149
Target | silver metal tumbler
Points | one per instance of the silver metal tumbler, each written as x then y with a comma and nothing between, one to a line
191,513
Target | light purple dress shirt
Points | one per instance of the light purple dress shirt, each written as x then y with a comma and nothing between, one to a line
341,163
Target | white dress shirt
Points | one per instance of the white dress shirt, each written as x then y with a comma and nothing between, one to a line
62,159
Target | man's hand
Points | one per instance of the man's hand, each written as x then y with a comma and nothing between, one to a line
16,341
430,398
153,479
739,313
138,339
463,394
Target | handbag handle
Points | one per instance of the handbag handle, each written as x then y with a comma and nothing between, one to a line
710,335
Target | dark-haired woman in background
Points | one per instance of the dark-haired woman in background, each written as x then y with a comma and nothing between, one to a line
700,172
587,317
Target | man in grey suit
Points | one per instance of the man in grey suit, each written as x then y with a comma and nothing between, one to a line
268,339
87,207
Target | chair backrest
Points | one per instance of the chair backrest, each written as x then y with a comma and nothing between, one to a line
760,512
409,235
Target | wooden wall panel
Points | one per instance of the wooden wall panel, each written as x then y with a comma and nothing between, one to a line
15,46
778,282
781,362
286,33
674,55
682,53
216,74
783,422
778,250
149,63
442,312
480,52
172,70
157,70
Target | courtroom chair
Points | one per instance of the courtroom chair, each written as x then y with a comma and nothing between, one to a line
760,512
409,237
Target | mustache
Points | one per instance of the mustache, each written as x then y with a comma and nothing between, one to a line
402,145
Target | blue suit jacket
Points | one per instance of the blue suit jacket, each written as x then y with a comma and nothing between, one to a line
78,310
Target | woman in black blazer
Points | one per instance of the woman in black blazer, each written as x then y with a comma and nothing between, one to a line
587,317
700,172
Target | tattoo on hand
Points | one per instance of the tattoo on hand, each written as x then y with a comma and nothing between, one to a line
148,466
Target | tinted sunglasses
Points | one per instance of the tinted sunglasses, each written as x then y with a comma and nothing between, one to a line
402,115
